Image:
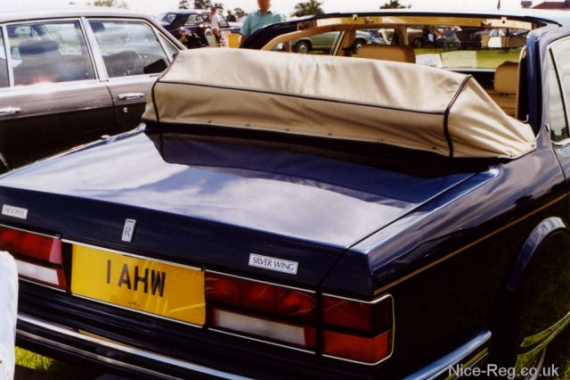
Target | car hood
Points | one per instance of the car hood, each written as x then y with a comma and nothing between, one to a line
310,198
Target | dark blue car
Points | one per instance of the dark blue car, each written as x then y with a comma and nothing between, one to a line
312,216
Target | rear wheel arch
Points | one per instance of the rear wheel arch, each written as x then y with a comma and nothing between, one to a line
536,302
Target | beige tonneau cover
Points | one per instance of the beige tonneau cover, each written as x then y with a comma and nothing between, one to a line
400,104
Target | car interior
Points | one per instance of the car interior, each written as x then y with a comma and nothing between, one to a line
491,50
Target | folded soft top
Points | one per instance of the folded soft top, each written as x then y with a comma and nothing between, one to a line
400,104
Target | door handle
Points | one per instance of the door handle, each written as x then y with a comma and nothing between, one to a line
10,111
130,96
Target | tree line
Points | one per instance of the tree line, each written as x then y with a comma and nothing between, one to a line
305,8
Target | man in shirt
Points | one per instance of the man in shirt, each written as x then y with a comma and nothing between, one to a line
215,24
259,18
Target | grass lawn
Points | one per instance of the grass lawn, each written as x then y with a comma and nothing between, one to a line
32,366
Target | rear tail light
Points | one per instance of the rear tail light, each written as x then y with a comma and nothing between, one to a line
340,328
258,309
38,257
357,331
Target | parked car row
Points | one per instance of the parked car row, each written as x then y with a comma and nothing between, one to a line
189,26
328,216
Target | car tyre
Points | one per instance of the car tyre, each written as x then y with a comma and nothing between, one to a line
302,47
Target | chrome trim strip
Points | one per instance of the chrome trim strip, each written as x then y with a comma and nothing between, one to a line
373,302
118,347
471,363
439,367
261,282
42,285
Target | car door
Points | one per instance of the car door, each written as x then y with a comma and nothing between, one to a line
133,53
50,98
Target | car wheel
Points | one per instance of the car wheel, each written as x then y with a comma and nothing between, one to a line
302,47
539,309
357,44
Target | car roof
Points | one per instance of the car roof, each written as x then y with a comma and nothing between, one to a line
186,11
19,15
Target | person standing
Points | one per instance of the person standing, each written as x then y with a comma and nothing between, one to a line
215,24
231,17
255,20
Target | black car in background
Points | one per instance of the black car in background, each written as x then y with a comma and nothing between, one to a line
189,26
69,77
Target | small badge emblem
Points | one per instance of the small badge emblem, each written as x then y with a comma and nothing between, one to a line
15,212
272,263
129,230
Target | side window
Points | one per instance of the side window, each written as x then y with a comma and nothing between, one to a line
3,63
170,48
193,20
556,114
559,87
49,52
129,47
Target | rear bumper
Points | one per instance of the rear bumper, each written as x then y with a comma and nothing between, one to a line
67,344
472,354
113,354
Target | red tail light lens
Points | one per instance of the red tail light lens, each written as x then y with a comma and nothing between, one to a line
357,331
258,309
44,248
261,297
357,348
38,257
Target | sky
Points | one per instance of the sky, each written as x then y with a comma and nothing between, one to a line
287,6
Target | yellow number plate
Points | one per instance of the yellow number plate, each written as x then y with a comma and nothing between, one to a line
159,288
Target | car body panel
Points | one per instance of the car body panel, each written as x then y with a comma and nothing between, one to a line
310,185
24,139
